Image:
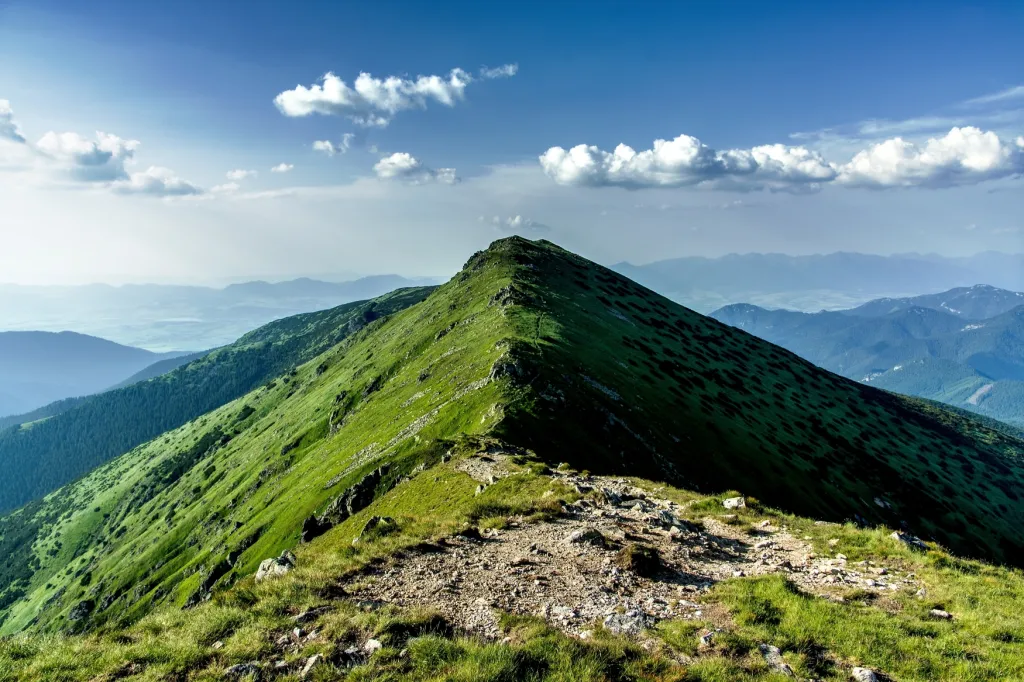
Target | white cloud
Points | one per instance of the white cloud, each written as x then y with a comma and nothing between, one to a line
99,160
503,71
517,224
8,127
331,149
373,102
404,166
157,182
1015,92
239,174
686,161
282,168
963,156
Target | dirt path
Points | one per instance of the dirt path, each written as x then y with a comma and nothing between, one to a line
567,573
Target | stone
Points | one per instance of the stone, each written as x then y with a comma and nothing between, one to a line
252,668
631,623
378,524
706,639
586,536
311,663
218,644
863,675
773,657
273,568
82,610
909,540
940,614
734,503
372,645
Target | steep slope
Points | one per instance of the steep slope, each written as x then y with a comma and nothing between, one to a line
36,460
37,368
978,302
927,352
529,348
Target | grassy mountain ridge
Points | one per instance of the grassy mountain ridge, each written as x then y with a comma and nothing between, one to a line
36,460
545,351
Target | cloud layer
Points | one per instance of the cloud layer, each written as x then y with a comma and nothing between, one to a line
407,168
282,168
373,102
963,156
517,224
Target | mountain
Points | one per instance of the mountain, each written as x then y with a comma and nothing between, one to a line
530,354
162,317
42,456
37,368
942,352
811,283
978,302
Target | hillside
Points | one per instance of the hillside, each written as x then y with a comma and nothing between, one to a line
43,456
37,368
978,302
529,349
932,352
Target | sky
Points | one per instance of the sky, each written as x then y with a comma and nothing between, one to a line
204,142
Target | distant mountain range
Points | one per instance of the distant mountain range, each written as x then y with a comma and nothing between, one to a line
964,347
810,283
37,368
164,317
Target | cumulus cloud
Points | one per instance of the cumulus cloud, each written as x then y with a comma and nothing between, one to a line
282,168
405,167
517,224
332,149
964,156
503,71
686,161
99,160
226,188
239,174
156,182
372,102
8,127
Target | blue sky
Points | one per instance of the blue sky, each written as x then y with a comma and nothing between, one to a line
195,85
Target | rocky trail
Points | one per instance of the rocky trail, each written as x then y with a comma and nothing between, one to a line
620,559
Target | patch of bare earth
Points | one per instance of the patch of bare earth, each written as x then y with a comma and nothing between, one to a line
574,573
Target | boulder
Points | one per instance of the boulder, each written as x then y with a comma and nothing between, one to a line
630,623
586,536
940,614
311,663
272,568
251,669
372,645
863,675
773,657
81,610
734,503
909,540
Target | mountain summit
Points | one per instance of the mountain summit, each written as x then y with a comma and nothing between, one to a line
531,351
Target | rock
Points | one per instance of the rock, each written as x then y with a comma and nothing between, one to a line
379,525
81,610
706,639
372,645
252,668
272,568
734,503
863,675
773,657
586,536
909,540
280,665
631,623
311,663
940,614
218,644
